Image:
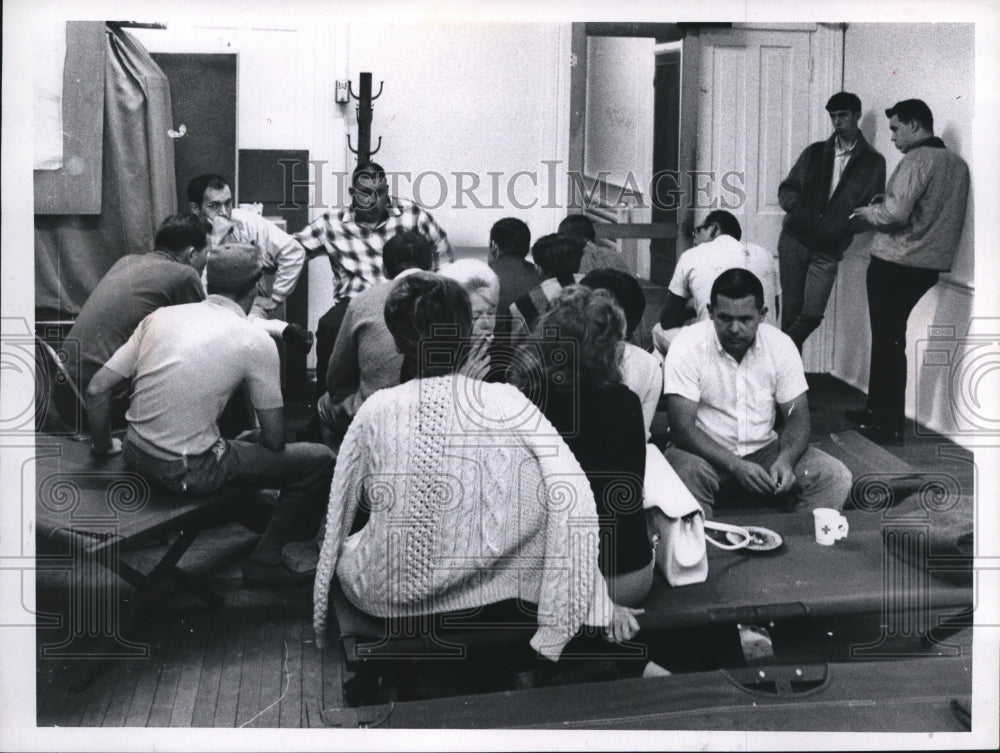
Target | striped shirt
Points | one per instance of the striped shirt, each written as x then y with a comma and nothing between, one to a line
355,249
526,310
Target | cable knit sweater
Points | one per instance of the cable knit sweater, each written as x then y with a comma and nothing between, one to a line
474,499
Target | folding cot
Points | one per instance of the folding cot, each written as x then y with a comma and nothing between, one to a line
88,510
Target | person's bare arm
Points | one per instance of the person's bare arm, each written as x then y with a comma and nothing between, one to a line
690,438
794,442
272,428
99,393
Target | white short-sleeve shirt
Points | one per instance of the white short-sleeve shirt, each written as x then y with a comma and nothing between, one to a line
736,401
698,267
642,373
185,361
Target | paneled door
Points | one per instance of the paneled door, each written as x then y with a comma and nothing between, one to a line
761,97
753,120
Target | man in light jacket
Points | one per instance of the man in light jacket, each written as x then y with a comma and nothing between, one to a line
919,227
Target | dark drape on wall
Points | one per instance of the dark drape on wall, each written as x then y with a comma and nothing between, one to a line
73,252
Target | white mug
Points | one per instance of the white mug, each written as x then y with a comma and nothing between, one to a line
831,526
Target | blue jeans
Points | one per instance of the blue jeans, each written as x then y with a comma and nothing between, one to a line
302,471
806,281
821,480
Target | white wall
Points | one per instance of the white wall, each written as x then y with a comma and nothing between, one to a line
469,99
620,101
473,99
885,63
618,131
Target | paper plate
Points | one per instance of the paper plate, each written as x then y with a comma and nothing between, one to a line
761,539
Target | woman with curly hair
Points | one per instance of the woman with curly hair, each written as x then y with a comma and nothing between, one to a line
463,502
571,369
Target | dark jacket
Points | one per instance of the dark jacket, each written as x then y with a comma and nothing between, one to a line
818,220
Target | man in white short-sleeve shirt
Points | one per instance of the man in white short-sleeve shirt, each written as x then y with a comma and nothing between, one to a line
718,246
185,362
724,379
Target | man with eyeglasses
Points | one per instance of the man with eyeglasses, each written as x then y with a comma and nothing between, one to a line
829,179
211,197
718,247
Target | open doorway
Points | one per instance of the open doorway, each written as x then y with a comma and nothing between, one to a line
625,158
730,108
207,112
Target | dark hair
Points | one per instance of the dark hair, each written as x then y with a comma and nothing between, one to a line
407,249
727,222
579,226
557,254
738,283
430,318
626,290
512,236
591,325
372,169
197,187
181,231
909,110
844,101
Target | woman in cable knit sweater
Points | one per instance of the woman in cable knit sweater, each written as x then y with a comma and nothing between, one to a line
472,497
572,371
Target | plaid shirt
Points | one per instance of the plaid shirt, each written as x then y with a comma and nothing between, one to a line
355,250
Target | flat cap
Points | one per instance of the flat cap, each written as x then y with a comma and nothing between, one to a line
233,265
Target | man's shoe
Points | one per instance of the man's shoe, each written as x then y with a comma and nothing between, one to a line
860,416
259,575
881,435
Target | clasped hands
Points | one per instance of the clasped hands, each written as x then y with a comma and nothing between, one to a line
755,478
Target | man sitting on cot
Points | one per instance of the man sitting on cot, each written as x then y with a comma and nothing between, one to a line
724,378
185,362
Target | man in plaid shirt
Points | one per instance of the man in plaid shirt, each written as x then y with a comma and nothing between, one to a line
353,239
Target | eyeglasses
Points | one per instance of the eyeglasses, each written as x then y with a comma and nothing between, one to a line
699,228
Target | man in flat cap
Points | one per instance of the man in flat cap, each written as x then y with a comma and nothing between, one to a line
829,179
185,362
919,227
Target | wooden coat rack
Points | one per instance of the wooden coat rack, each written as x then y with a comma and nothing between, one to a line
364,110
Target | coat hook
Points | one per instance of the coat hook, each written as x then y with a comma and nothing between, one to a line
350,90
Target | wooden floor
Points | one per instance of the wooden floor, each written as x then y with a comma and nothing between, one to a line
250,663
253,661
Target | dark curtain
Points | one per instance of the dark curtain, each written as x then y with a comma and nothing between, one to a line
73,252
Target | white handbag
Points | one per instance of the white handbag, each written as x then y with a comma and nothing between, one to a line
679,533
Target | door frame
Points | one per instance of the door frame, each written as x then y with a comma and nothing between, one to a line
619,226
826,61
